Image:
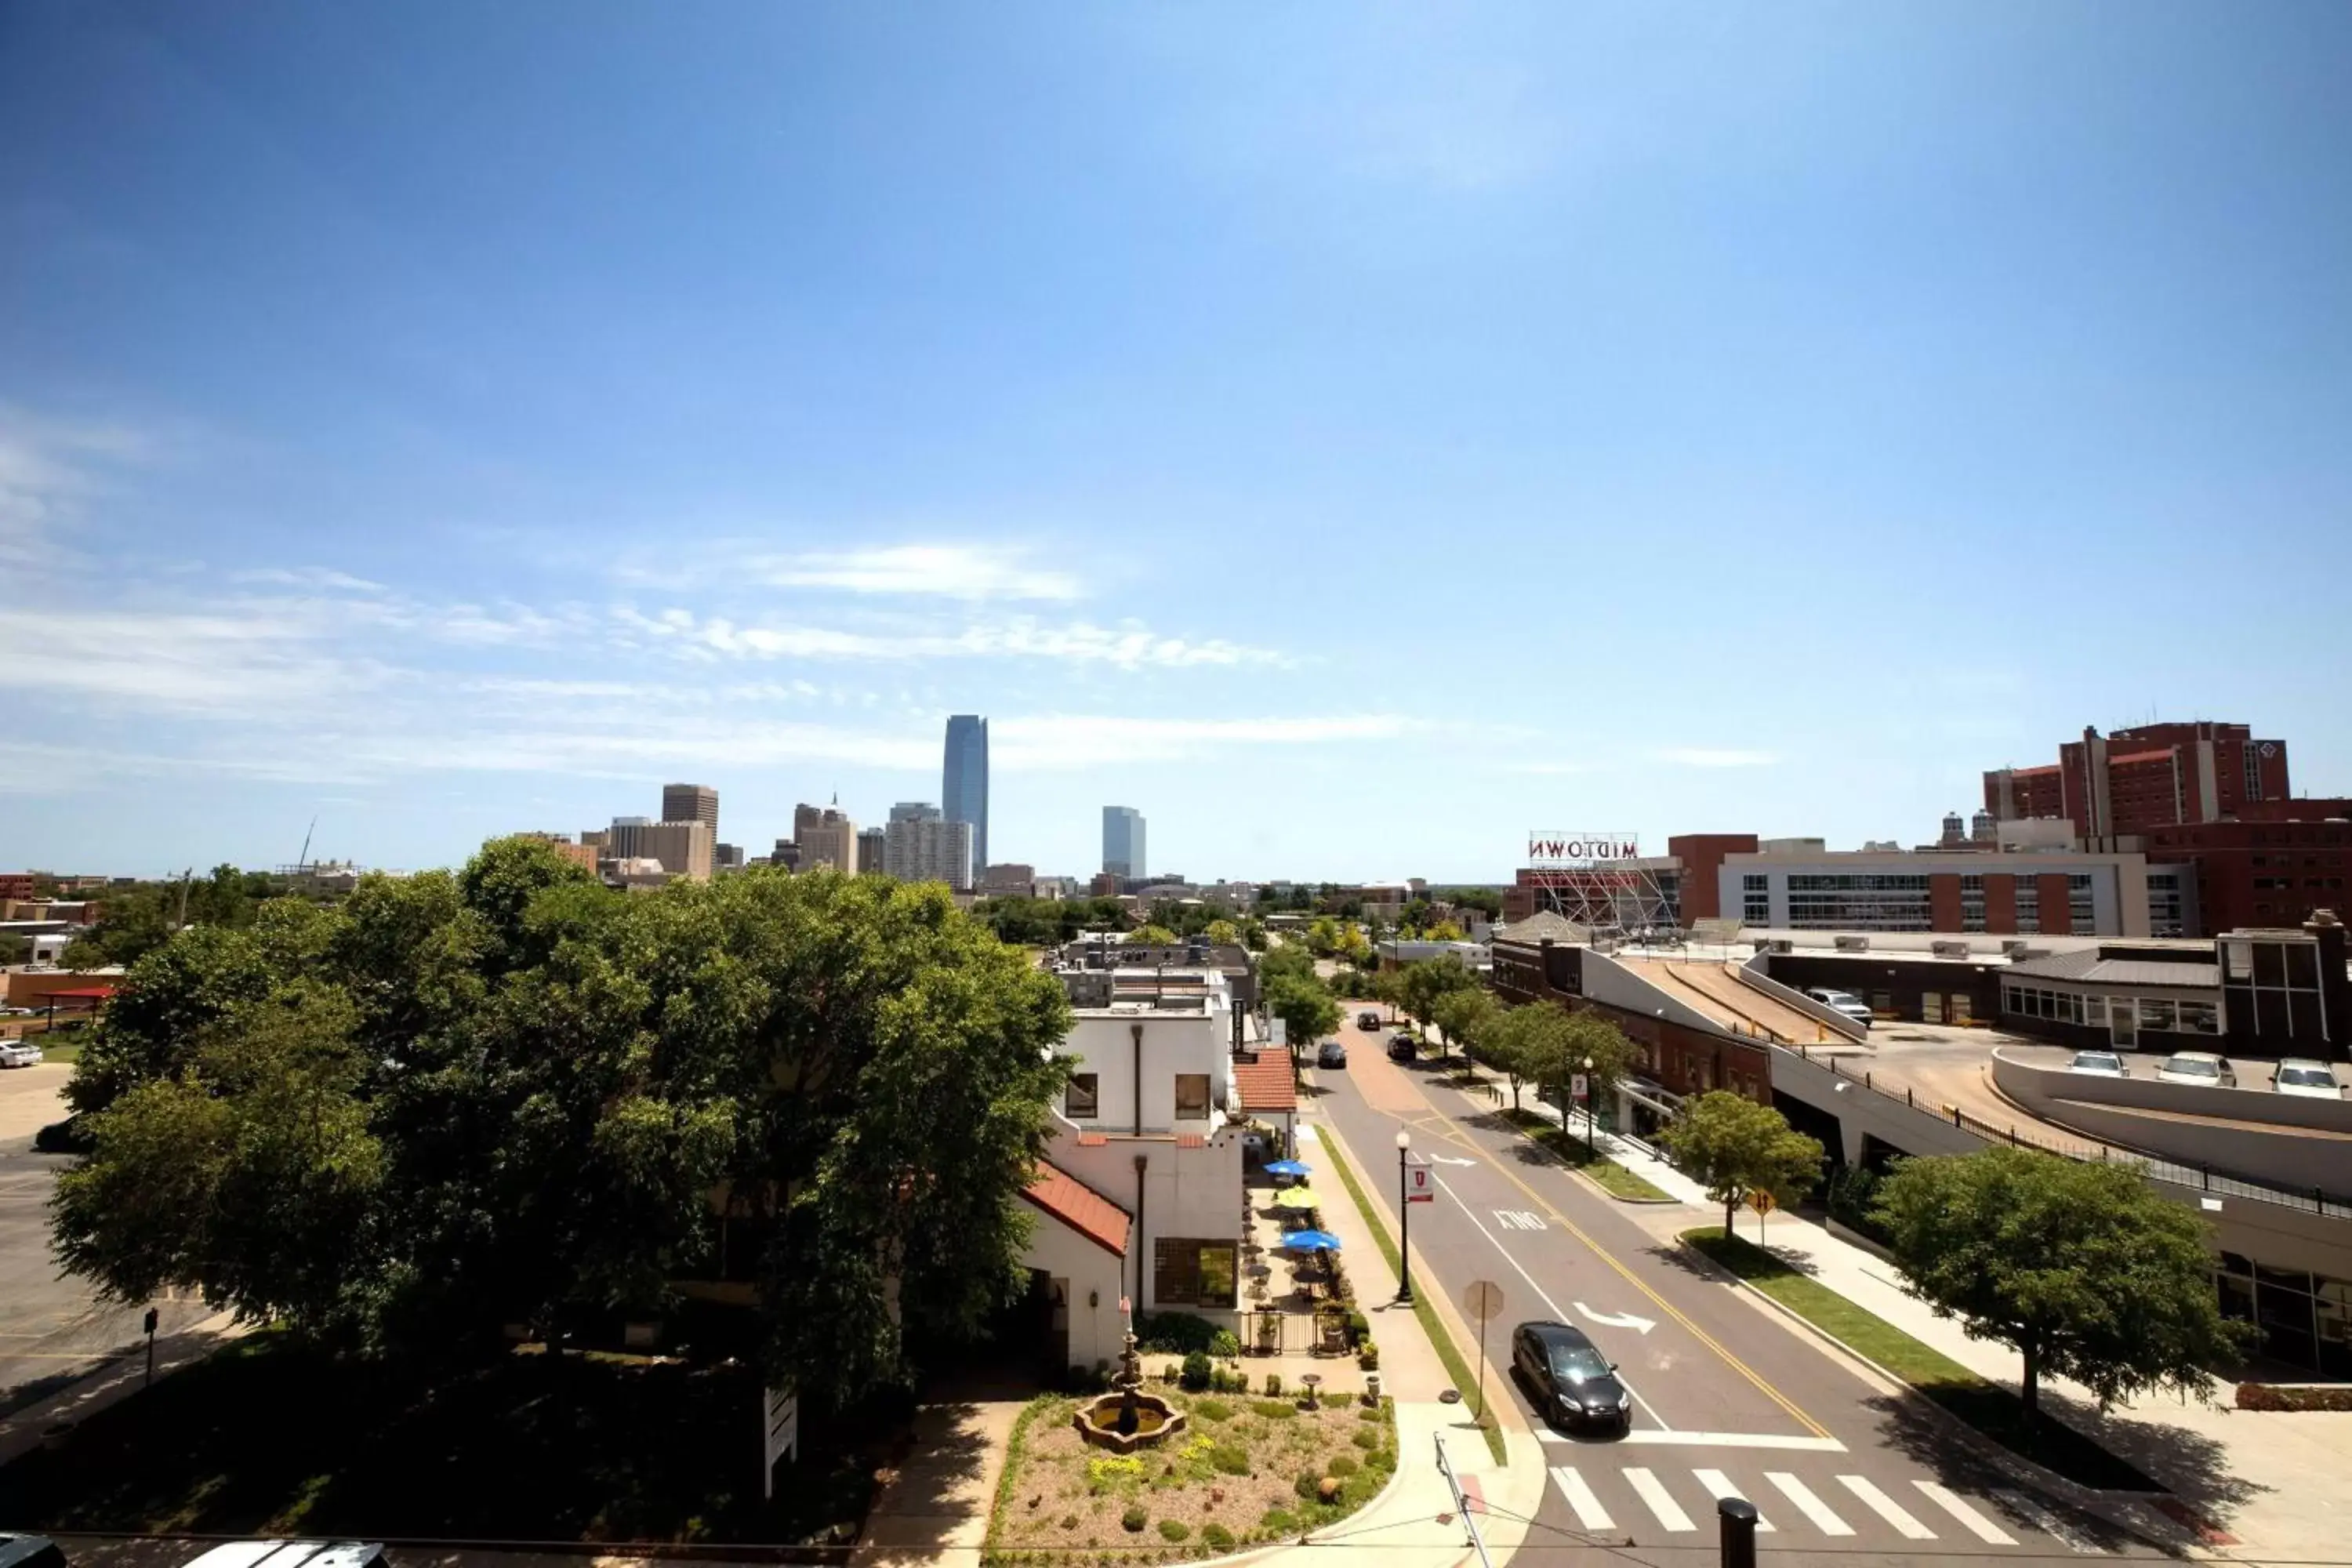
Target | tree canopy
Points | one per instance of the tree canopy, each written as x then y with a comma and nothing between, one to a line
1737,1147
510,1095
135,920
1468,1016
1430,979
2084,1268
1047,922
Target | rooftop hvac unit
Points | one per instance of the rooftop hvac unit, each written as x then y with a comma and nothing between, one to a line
2015,948
1854,944
1948,949
1783,944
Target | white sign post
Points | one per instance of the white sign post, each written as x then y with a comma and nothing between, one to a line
780,1434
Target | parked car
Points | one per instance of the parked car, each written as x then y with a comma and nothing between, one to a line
292,1554
20,1054
1402,1049
1368,1020
1844,1002
30,1551
1572,1383
2099,1064
2200,1068
2313,1080
1331,1054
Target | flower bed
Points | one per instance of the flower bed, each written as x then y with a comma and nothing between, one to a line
1250,1469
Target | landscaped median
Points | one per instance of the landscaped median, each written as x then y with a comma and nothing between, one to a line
1614,1179
1249,1468
1988,1407
1455,1367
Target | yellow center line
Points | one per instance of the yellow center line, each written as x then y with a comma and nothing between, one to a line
1668,1308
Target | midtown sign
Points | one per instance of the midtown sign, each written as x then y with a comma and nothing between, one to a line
1580,848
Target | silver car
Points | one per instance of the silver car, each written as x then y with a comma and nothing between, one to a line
1844,1002
2099,1064
2202,1068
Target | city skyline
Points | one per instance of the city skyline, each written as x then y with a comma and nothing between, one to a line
1590,423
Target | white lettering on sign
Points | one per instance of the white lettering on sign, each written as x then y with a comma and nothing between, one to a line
1518,1219
1580,848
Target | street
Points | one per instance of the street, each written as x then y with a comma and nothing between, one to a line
1729,1400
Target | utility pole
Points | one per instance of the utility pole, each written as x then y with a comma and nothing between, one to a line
185,877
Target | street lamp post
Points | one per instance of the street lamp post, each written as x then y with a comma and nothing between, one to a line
1405,1222
1588,1098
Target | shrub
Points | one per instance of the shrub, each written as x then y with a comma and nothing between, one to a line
1223,1345
1231,1458
1135,1519
2276,1397
1213,1410
1275,1409
1226,1381
1069,1522
1328,1490
1113,1470
1274,1385
1366,1440
1368,1357
1280,1520
1174,1333
1308,1485
1196,1372
1174,1529
1340,1465
1216,1536
1360,1328
1368,1413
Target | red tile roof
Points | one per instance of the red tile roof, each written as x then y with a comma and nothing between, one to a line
1081,1207
1191,1141
1265,1081
1093,1140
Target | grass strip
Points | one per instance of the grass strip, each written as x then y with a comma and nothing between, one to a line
1614,1178
1013,1445
1455,1367
1991,1409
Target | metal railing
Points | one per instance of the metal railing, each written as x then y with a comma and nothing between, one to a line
2218,1180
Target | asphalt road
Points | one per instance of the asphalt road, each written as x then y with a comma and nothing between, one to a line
1729,1399
51,1331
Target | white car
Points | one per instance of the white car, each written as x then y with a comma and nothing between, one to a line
2099,1064
1844,1002
2202,1068
2313,1080
292,1554
17,1053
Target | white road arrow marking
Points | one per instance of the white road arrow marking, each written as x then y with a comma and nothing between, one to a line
1616,1320
1442,1159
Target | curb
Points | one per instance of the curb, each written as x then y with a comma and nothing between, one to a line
2017,1466
713,1552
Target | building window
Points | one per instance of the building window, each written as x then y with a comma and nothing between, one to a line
2029,908
1080,1101
1859,901
2253,776
1755,899
2079,908
1187,1273
1972,902
1191,1096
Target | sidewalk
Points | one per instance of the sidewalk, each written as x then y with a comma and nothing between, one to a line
2273,1479
114,1381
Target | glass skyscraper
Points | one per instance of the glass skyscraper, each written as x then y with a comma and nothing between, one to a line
1123,841
964,783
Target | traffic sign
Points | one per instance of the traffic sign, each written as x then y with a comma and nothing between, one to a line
1761,1201
1576,1086
1482,1300
1417,1187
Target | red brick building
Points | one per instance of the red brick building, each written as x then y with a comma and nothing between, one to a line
2158,775
2274,866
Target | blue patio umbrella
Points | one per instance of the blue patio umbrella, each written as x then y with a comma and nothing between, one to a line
1310,1241
1288,1168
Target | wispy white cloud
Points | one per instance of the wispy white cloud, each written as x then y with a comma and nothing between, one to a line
48,468
1128,646
944,571
1714,757
322,578
1074,740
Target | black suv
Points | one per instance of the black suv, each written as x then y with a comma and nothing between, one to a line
1402,1048
1572,1383
1368,1020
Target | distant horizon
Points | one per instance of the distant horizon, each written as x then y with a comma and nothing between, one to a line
1352,435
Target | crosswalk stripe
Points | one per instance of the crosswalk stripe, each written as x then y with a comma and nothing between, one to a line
1886,1508
1811,1507
1984,1529
1718,1487
2047,1522
1588,1511
1661,1502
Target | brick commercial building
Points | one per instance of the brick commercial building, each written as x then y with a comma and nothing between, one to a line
2280,863
2158,775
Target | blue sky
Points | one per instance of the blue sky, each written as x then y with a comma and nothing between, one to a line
1351,434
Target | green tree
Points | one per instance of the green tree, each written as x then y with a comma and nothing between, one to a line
1254,935
1153,935
1531,1044
1737,1147
1425,981
1594,1039
1305,1007
1443,930
1323,937
1223,933
1468,1016
2086,1270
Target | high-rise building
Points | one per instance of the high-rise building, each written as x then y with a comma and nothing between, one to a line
683,848
826,837
869,850
920,845
691,803
1122,841
963,782
2158,775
